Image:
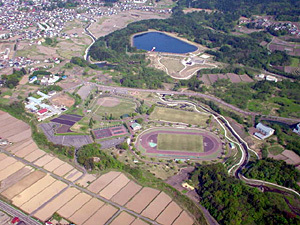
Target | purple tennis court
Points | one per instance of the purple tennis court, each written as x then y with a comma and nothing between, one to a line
109,132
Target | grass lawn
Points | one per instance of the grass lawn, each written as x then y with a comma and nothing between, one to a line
180,142
295,62
175,115
124,107
173,65
275,150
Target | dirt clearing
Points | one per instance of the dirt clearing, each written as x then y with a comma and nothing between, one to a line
123,196
169,214
142,199
46,212
23,184
32,191
62,100
86,211
72,206
124,219
114,187
43,196
157,206
108,102
102,215
102,181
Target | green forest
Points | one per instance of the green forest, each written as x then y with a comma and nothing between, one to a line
275,171
131,63
230,201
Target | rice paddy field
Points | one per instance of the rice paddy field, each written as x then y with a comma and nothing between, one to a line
41,194
180,142
174,115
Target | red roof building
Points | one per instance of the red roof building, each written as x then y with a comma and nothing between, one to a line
42,111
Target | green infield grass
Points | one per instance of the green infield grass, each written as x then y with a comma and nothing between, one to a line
275,150
174,115
180,142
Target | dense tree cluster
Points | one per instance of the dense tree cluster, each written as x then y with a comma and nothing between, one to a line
284,10
275,171
230,201
13,79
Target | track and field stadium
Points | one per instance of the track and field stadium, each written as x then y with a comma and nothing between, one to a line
179,143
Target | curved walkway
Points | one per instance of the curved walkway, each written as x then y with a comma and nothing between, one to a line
244,150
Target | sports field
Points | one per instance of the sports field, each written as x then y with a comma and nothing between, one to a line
174,115
180,142
117,108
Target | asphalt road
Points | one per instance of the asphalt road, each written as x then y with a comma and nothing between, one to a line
15,212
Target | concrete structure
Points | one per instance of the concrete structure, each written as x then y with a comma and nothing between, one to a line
297,129
271,78
264,131
136,126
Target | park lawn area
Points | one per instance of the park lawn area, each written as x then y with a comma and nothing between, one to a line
180,142
173,65
295,62
124,107
175,115
275,150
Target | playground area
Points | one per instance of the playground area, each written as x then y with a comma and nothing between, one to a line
179,143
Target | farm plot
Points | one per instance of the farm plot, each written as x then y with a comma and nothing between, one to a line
52,165
73,175
46,212
67,119
142,199
33,190
169,214
15,177
174,115
63,169
23,184
43,196
104,108
123,196
86,180
10,170
180,142
234,78
184,218
124,219
72,206
157,206
44,160
34,155
114,187
18,146
102,215
27,150
139,222
103,181
246,78
86,211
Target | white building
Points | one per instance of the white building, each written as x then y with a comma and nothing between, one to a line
297,129
271,78
264,131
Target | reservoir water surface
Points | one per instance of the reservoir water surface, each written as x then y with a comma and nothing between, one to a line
162,43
